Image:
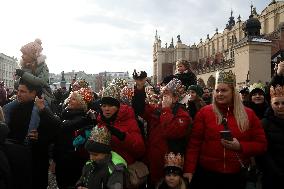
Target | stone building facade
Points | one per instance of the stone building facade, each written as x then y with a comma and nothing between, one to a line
231,49
8,66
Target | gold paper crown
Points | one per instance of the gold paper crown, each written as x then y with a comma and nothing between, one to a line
277,91
100,135
226,77
256,86
81,83
174,160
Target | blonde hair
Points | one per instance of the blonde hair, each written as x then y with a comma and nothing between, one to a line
78,97
239,111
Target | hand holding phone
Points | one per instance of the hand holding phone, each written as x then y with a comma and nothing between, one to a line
226,135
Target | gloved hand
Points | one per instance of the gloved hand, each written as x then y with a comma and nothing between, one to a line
20,72
116,132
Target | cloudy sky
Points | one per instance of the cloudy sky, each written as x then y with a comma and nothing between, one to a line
112,35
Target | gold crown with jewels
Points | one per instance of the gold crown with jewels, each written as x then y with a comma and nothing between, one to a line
100,135
277,91
174,160
226,77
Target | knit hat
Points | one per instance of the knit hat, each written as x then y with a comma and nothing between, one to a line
33,49
99,141
197,89
174,163
139,75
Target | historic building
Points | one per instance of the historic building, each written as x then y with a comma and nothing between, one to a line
249,48
8,66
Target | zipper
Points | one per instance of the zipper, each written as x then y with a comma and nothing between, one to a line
224,165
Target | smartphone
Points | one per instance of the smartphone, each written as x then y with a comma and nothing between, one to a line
226,135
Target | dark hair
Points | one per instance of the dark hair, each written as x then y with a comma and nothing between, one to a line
31,87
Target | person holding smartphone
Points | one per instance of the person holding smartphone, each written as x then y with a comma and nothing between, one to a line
224,133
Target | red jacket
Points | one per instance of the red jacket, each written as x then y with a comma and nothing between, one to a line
205,146
133,146
161,128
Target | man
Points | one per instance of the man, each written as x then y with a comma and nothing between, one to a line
26,148
207,96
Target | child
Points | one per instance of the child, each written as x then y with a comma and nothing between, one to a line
184,73
173,173
105,169
34,69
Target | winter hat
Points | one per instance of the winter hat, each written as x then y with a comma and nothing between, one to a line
257,88
110,95
99,140
197,89
173,164
34,49
139,75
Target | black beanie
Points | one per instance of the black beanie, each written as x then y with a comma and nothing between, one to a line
93,146
110,101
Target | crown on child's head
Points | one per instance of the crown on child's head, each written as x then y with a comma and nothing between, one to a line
226,77
174,160
100,135
277,91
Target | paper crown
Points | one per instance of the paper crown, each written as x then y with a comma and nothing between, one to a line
111,91
256,86
226,77
139,75
87,94
174,86
119,83
152,97
100,135
81,83
277,91
174,160
126,94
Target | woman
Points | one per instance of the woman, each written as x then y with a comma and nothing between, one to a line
272,162
69,161
167,125
195,102
215,161
257,100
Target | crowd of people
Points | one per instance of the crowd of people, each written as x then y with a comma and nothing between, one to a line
176,135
